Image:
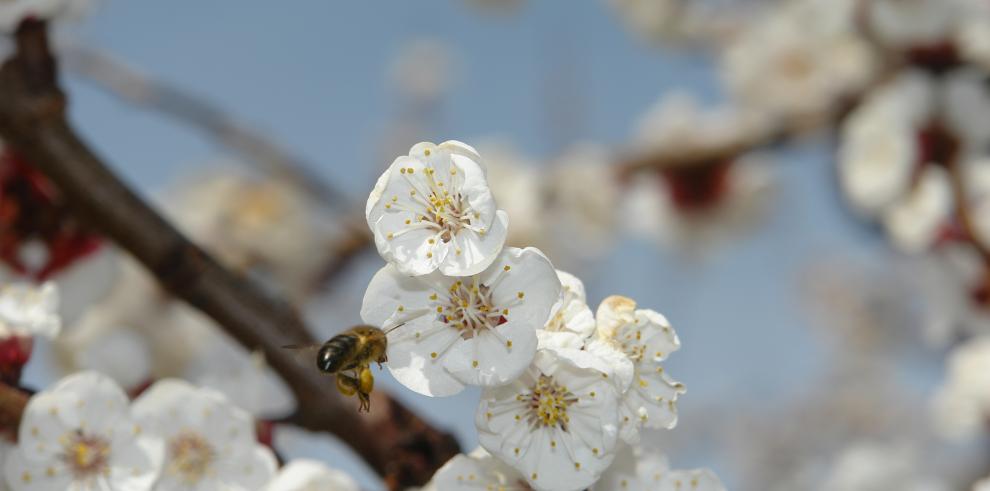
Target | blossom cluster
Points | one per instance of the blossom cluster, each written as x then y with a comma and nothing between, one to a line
83,433
564,389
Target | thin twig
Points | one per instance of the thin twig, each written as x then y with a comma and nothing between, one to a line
129,84
32,121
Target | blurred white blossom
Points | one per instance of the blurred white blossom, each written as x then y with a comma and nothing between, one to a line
904,24
580,196
873,466
896,144
677,127
915,219
800,62
310,475
423,70
81,435
12,12
253,224
694,208
457,331
210,442
26,310
557,424
634,469
962,403
516,183
432,210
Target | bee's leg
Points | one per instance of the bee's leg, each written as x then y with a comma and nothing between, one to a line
382,359
346,384
366,384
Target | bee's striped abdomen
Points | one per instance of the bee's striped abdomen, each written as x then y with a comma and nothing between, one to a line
337,353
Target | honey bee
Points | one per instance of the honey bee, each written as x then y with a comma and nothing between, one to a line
349,356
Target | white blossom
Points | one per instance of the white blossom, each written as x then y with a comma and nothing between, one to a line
210,442
962,403
311,475
870,466
690,480
457,331
556,424
637,469
81,435
634,469
123,355
580,196
423,70
800,61
572,314
436,212
252,223
516,184
12,12
915,219
647,339
982,485
27,311
878,150
973,33
677,127
475,471
905,24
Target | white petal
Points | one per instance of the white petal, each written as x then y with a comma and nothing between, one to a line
694,480
486,360
531,282
136,462
411,362
44,422
303,475
572,313
479,470
250,471
376,194
100,403
27,310
28,475
915,220
463,149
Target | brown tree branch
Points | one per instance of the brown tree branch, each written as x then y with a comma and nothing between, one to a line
12,404
32,121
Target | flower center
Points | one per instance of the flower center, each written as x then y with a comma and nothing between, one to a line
470,308
86,455
548,403
436,204
190,457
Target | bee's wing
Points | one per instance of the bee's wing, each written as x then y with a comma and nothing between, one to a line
304,353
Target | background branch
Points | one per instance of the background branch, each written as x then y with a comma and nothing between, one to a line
127,83
401,447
